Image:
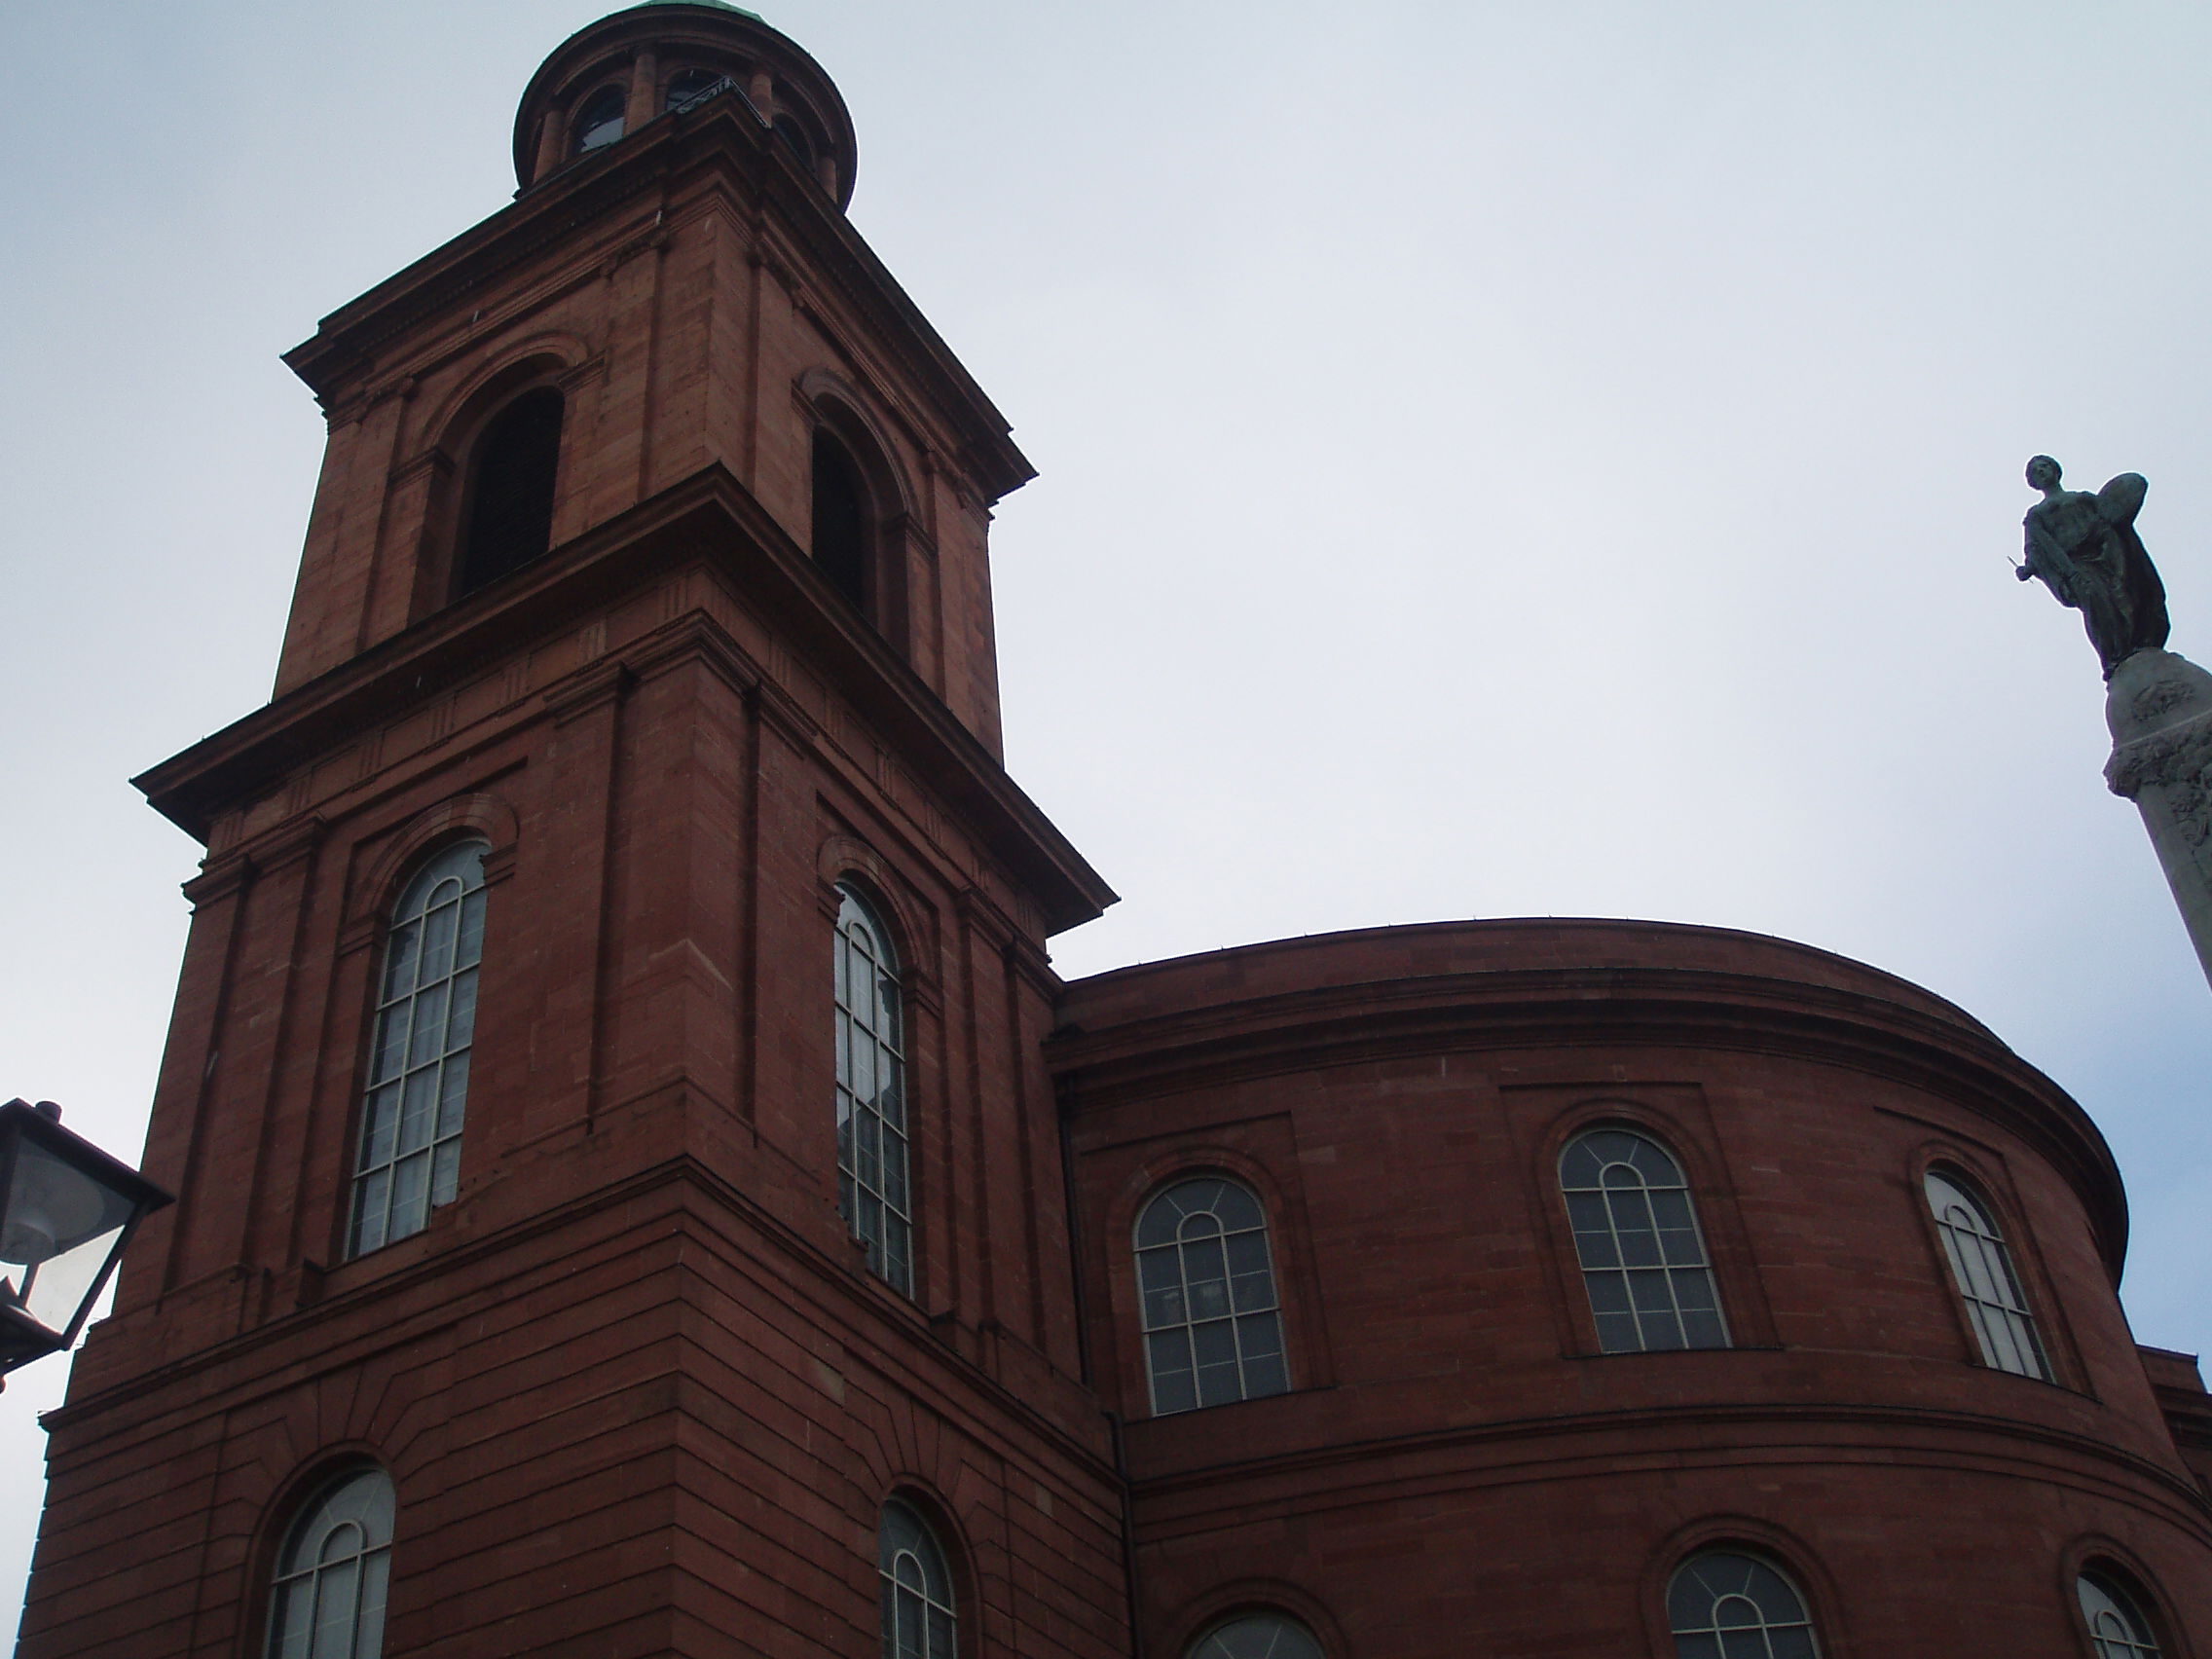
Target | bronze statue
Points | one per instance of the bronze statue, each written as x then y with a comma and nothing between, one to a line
2086,549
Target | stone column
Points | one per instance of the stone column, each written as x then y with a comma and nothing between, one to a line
2160,711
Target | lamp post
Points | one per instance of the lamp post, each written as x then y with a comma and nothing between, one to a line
66,1210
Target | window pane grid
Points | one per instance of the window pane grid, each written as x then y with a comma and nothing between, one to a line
872,1149
919,1621
1206,1291
2117,1628
1724,1605
1258,1636
1635,1233
328,1599
1982,1269
426,1023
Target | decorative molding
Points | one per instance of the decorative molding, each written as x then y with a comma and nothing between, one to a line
981,915
1486,1010
592,687
2177,760
487,817
693,636
1319,1474
654,240
592,368
286,843
220,876
783,714
707,521
433,459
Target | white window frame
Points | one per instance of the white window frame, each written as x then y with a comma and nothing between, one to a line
407,1156
1749,1582
1982,1274
1180,1315
327,1598
919,1614
875,1121
1657,1276
2118,1627
1262,1634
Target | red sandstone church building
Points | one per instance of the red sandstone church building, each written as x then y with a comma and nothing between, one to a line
644,1190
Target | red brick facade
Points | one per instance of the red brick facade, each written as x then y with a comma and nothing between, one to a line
637,1390
1458,1459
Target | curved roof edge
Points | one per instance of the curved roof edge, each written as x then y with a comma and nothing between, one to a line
1289,1004
1238,971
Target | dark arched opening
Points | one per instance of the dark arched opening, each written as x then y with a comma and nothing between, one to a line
598,123
510,497
794,140
843,524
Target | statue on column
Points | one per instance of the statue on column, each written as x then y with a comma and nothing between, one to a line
2157,706
2085,549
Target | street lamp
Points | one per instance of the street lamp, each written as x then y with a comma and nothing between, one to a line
66,1210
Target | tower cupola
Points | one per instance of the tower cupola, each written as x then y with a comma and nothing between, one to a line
676,58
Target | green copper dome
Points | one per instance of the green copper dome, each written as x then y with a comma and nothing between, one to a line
717,5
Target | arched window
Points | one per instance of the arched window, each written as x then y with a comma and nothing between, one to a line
1723,1604
1212,1328
2117,1629
919,1618
418,1082
872,1095
844,519
1257,1635
1726,1606
511,489
328,1599
1644,1260
599,119
1983,1269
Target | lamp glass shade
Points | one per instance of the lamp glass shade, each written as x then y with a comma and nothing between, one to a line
65,1210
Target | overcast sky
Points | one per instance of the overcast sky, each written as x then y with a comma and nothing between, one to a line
1496,460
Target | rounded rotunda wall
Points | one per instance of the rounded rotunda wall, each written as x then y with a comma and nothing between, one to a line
1398,1100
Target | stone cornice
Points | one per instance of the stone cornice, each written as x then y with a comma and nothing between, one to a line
1666,1438
882,1320
709,519
1382,1018
655,161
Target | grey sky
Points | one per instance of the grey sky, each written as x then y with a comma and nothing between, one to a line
1496,460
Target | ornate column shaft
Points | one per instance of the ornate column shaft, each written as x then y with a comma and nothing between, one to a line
2159,712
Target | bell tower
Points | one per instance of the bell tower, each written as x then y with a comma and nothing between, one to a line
620,1205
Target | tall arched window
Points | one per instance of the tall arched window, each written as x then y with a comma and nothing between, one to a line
2117,1629
1982,1269
511,489
599,119
328,1596
919,1618
872,1191
1257,1635
1212,1327
418,1082
1727,1605
844,519
1644,1260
